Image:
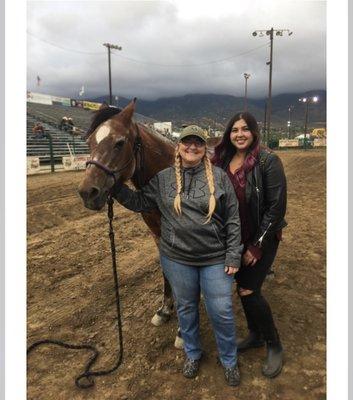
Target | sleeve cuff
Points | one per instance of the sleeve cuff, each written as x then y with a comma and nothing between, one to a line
117,191
255,251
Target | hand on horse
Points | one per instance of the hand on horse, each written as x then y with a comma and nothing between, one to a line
117,187
249,259
231,269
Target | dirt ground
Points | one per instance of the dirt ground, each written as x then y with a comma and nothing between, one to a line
71,298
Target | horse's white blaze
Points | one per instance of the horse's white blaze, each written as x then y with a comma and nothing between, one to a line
102,133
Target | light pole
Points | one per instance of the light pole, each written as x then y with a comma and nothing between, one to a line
270,32
246,76
290,108
307,101
110,46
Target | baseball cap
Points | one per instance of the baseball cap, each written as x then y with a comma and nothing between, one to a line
193,130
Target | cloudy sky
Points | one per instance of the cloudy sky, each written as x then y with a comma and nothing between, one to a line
170,48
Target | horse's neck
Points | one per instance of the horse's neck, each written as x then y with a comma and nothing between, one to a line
157,154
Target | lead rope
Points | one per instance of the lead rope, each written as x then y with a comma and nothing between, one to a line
85,380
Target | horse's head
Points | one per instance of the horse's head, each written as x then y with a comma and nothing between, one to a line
111,141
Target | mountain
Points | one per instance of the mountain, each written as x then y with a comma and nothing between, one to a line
215,110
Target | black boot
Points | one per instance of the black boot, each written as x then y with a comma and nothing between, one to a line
274,360
257,308
253,340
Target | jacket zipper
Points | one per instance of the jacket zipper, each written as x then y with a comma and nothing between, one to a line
261,238
258,201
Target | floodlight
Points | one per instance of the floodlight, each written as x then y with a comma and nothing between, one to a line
268,33
315,99
254,33
290,33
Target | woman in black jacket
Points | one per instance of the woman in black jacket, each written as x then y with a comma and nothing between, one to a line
260,184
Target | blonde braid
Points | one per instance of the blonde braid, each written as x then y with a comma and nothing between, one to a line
210,180
177,165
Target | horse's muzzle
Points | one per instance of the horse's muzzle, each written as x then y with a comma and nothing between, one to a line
93,197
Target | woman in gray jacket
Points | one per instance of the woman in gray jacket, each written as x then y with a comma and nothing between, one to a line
200,245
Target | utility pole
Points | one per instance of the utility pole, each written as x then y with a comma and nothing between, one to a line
307,101
265,123
246,76
110,46
270,32
290,108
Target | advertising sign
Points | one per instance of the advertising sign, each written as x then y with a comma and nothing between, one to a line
61,101
75,163
288,143
320,142
76,103
33,165
38,98
90,105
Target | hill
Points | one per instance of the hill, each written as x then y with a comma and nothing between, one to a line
214,110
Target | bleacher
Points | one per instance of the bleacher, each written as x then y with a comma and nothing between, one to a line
50,117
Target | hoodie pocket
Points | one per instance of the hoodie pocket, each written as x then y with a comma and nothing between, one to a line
216,234
168,234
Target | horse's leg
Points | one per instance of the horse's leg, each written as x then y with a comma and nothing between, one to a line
179,342
163,314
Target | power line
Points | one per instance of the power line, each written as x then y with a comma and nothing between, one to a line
65,48
192,65
148,62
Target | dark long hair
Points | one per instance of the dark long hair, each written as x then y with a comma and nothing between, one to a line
225,150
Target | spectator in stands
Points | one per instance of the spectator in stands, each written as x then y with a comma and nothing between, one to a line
38,131
71,126
63,125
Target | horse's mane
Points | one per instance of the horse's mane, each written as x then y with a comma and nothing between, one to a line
100,116
105,113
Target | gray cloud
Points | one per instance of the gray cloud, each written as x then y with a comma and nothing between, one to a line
161,32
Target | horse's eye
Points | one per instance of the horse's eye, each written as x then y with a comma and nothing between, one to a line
119,144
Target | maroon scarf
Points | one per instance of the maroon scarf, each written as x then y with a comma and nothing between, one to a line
249,163
238,180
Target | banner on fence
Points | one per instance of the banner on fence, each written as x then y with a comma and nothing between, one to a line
75,163
61,101
39,98
33,165
76,103
320,142
90,105
288,143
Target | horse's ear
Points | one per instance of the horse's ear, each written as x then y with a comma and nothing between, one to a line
126,114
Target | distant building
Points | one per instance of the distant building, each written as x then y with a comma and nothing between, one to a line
165,128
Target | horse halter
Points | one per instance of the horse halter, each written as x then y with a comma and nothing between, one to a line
137,147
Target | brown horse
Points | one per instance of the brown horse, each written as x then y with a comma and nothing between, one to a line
123,150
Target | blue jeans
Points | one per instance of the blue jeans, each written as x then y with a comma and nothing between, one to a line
187,283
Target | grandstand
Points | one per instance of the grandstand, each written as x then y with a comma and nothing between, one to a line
50,117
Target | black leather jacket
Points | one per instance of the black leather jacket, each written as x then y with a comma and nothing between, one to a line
266,196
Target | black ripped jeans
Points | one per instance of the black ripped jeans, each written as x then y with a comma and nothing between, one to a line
256,308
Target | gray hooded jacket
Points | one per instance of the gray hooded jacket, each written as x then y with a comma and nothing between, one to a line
186,238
